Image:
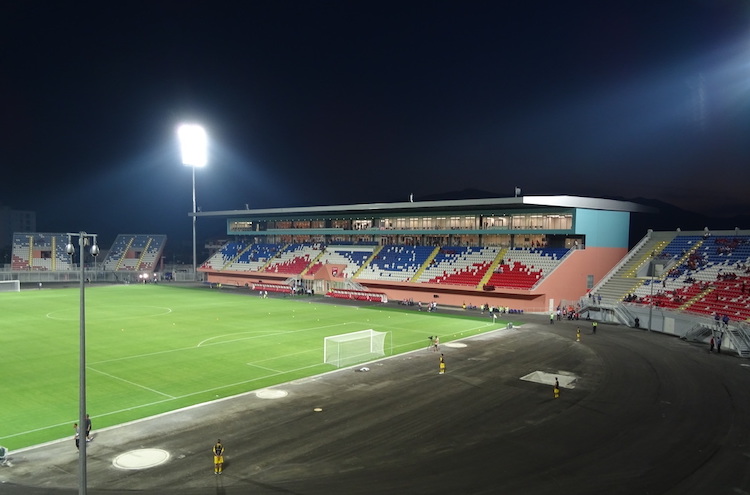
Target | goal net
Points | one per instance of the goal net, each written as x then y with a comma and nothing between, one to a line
10,286
355,347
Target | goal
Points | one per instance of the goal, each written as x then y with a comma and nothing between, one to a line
10,286
355,347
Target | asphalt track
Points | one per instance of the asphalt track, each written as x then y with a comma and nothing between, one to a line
646,414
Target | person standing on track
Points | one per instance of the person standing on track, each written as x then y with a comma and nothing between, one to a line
218,451
77,436
88,428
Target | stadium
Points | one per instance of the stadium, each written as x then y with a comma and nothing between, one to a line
304,343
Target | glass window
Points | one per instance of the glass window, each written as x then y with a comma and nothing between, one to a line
536,221
519,221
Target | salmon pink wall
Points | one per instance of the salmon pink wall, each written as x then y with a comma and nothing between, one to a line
567,282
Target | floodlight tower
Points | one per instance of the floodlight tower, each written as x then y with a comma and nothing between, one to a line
84,240
193,144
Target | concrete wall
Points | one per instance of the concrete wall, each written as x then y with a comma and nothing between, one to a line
452,296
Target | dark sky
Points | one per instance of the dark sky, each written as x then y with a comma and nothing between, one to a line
322,102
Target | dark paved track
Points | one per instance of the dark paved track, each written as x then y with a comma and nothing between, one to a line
649,414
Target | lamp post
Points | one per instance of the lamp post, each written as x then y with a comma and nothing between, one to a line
652,266
83,241
193,144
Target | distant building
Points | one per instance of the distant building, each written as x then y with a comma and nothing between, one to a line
14,221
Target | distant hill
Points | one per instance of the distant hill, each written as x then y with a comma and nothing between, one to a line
464,194
672,218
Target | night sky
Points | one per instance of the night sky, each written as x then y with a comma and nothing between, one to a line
313,103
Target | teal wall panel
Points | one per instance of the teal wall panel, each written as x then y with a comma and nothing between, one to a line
603,228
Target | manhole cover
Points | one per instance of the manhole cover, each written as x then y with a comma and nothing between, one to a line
270,394
141,459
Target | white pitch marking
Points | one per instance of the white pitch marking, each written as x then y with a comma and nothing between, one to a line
130,383
166,311
264,335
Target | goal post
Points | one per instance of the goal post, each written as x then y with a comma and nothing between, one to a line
354,347
10,286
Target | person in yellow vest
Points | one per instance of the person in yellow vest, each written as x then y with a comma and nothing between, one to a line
578,334
556,389
218,451
593,327
441,366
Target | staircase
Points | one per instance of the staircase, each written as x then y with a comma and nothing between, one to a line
491,269
426,263
739,336
124,252
234,258
143,254
374,255
31,251
699,333
625,279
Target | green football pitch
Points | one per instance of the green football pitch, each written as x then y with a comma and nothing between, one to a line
156,348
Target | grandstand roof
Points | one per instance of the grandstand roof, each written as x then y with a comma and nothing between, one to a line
520,202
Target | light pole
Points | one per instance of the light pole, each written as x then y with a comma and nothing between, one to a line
652,266
83,241
193,144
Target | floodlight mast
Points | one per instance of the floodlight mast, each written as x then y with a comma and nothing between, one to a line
194,145
83,241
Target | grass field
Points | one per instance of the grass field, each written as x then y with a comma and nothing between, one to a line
156,348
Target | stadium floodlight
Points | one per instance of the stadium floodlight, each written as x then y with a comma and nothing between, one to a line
83,240
194,148
193,144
